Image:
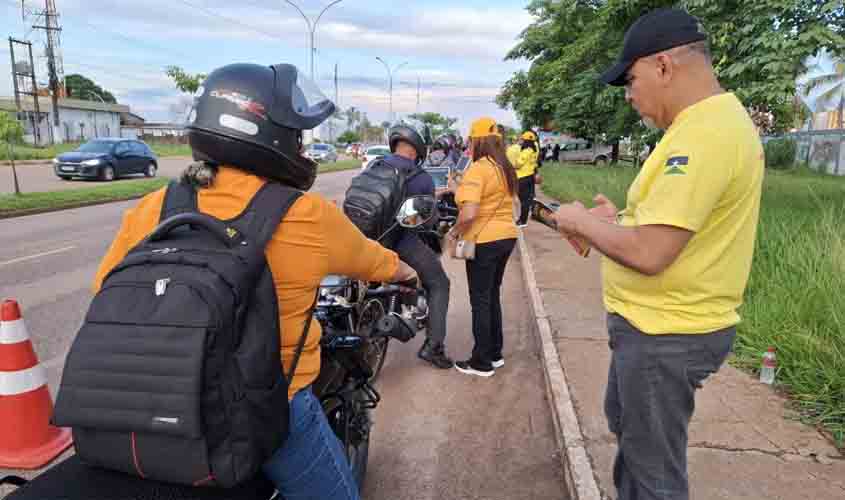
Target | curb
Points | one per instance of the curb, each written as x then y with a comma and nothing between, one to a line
35,211
578,473
25,163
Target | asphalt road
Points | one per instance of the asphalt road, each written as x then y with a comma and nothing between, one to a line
437,434
40,177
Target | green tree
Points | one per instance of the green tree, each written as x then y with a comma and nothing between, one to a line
758,46
348,137
11,132
353,116
185,82
83,88
437,123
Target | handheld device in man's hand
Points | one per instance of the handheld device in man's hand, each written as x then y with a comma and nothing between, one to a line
542,213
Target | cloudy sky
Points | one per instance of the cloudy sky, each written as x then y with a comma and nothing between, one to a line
455,49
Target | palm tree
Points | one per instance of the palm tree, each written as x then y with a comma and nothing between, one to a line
824,89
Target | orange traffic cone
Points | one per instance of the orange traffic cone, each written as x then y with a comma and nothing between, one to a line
27,440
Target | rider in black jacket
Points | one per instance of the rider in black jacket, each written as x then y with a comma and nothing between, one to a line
408,152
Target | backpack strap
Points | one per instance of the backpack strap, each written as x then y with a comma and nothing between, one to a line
269,206
301,343
179,198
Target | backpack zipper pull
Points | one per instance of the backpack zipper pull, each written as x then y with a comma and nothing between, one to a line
161,286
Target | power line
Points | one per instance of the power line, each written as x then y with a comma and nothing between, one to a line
231,20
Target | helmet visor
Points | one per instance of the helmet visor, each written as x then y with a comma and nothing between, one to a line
299,102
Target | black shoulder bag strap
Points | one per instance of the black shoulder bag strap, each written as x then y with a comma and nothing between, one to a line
269,206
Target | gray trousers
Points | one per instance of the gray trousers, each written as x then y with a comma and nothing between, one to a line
649,404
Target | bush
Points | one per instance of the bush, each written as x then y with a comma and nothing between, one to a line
780,153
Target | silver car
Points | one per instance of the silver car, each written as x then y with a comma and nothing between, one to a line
321,152
582,151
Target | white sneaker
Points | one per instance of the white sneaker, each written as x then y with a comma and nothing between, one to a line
499,363
522,225
464,367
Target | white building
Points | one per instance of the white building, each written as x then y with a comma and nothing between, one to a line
78,120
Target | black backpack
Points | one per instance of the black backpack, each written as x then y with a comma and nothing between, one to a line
176,373
374,197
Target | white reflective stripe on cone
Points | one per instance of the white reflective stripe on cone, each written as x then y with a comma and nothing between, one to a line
12,332
21,381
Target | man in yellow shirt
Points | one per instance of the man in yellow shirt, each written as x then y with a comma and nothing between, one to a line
677,258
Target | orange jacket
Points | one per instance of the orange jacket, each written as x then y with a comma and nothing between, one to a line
314,239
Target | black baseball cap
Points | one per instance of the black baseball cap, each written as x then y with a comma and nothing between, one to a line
659,30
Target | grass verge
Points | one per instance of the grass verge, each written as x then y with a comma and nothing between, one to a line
337,166
127,188
10,203
48,153
794,300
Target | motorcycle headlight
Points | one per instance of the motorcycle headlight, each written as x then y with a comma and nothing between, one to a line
91,163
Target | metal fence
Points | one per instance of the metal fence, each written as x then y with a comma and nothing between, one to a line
823,150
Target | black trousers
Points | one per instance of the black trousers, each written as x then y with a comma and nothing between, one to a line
526,197
426,263
484,276
650,401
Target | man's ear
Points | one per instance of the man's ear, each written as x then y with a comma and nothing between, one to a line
665,66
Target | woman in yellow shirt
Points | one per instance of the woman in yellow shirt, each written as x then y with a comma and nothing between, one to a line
485,198
526,168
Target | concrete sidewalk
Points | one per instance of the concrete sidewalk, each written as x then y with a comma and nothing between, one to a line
743,442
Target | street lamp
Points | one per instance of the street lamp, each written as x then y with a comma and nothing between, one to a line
390,83
96,129
312,27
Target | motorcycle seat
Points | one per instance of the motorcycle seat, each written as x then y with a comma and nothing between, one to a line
73,480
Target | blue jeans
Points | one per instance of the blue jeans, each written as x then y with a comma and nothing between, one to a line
311,464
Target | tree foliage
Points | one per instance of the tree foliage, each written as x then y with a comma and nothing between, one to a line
11,130
83,88
759,47
348,136
11,133
437,123
185,82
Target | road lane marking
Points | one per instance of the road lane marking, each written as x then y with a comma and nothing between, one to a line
35,256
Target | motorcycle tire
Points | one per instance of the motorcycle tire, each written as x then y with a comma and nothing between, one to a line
379,355
359,453
357,447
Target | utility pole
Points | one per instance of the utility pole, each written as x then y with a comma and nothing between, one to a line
54,64
24,83
336,106
418,94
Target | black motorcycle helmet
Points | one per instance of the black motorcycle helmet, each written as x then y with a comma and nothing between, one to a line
412,137
252,116
445,143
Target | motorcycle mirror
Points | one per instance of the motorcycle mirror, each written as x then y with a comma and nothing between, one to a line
416,211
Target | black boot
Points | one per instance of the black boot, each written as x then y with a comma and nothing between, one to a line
435,354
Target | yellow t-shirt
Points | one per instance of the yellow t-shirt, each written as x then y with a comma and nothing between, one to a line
513,154
484,184
706,176
314,239
526,163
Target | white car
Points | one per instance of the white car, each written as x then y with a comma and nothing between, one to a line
374,152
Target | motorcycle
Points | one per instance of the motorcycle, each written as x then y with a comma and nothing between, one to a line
358,319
